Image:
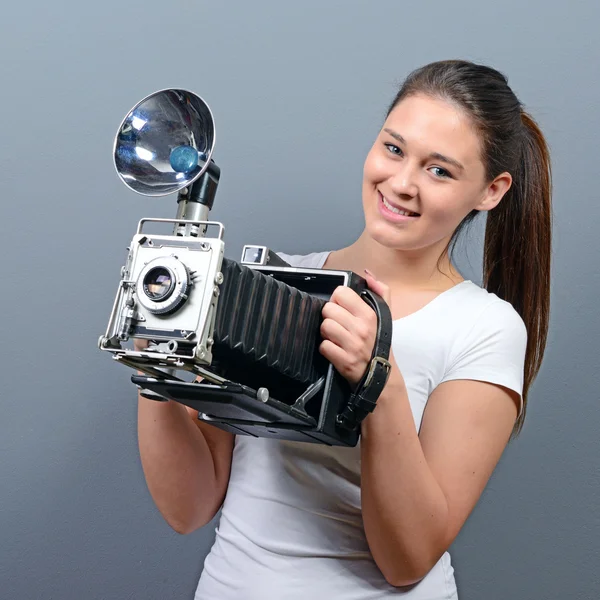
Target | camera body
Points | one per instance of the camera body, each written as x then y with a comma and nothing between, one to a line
238,341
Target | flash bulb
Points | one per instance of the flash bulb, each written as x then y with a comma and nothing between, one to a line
184,159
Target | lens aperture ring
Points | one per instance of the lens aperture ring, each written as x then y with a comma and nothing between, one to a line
163,285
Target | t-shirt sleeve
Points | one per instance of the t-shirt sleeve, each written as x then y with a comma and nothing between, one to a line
492,350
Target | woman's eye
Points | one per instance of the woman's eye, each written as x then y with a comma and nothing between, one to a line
439,172
394,149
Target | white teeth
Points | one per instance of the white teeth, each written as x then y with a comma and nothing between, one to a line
396,210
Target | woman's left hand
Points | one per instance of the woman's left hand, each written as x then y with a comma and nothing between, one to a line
349,329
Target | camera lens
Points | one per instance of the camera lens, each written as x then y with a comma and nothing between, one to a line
163,285
158,283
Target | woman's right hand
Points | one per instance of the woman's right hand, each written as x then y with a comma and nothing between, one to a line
139,345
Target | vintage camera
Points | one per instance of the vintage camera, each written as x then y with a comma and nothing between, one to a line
236,340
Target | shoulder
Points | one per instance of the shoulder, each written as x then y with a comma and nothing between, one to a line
468,313
485,312
489,339
314,260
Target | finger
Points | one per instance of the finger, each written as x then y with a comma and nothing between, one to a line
361,328
342,361
332,352
380,288
351,301
331,330
335,355
140,344
338,313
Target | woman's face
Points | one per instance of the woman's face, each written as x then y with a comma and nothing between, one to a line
424,175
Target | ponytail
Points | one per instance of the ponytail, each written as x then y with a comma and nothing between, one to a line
518,246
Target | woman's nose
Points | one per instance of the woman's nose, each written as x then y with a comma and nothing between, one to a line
403,182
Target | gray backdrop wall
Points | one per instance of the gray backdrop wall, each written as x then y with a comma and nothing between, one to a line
298,92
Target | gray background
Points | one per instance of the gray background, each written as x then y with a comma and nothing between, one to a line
298,91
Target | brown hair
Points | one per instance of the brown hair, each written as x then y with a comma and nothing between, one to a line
518,234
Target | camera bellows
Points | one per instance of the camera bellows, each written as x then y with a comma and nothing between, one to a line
267,323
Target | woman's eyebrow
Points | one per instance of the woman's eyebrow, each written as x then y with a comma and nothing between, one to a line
395,135
436,155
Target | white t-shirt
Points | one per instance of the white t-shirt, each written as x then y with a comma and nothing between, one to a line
291,525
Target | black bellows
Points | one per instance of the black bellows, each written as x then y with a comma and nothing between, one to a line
267,332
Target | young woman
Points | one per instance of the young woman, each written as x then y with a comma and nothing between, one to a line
308,521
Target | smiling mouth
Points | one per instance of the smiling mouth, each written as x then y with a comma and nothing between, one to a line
397,211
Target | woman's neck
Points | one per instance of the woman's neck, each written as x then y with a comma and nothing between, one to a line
429,268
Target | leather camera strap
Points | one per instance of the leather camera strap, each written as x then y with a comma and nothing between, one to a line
364,398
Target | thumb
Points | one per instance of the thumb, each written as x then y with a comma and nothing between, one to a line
378,287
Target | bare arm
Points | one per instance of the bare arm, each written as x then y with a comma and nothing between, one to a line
418,490
186,463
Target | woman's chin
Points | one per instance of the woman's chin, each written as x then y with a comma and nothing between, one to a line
382,235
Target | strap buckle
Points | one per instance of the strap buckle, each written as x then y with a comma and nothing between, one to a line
371,372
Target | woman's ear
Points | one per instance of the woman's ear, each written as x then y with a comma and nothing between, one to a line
495,191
